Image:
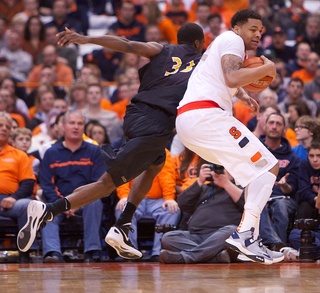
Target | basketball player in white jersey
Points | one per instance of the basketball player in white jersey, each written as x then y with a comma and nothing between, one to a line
206,126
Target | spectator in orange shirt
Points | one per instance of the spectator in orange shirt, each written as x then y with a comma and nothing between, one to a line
187,166
215,22
10,8
177,13
218,6
21,139
17,179
153,16
308,73
50,58
125,92
159,203
4,101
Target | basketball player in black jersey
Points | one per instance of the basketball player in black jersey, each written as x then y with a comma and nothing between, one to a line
148,125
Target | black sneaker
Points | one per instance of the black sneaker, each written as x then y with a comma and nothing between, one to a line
36,218
118,238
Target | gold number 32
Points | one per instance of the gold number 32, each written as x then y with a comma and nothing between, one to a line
177,66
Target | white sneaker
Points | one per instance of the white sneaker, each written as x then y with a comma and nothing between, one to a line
290,254
243,242
118,238
276,255
244,258
37,212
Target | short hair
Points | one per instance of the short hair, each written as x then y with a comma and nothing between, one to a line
71,112
213,16
189,33
267,91
296,79
97,85
314,145
311,123
262,109
277,114
242,17
20,131
204,3
79,85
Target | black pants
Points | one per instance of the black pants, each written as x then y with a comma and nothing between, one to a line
147,132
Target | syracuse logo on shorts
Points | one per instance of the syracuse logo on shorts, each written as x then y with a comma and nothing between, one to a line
244,142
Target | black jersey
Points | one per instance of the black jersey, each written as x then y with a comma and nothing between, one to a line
163,81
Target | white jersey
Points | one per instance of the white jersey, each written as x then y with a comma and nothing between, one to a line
207,80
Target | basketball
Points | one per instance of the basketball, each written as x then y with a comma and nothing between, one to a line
261,83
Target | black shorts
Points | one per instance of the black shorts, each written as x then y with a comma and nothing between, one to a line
147,132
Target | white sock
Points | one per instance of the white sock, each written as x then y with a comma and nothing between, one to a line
256,229
257,194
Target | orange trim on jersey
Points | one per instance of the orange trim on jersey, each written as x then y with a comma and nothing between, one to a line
198,105
70,163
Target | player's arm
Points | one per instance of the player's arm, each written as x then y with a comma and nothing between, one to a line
235,76
115,43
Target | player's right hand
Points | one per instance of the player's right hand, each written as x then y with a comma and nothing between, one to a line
68,37
273,71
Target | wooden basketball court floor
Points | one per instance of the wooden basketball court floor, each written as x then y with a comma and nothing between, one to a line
126,277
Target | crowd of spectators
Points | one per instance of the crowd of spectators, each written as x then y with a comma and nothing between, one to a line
39,81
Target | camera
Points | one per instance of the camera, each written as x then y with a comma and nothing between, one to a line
306,238
218,169
163,228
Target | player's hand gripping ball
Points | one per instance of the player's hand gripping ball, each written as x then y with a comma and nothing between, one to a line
260,84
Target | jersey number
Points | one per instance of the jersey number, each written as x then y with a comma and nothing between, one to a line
177,65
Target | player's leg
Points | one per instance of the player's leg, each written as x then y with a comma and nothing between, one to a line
224,140
257,194
39,213
117,236
150,130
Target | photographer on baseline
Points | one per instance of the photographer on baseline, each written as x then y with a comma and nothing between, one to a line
305,236
215,208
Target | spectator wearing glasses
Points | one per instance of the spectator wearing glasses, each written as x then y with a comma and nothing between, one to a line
307,129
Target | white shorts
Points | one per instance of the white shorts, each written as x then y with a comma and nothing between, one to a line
219,138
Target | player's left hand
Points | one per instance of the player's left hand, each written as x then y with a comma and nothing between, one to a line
172,206
251,103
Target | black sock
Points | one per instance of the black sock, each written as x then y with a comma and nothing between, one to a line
59,206
127,214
